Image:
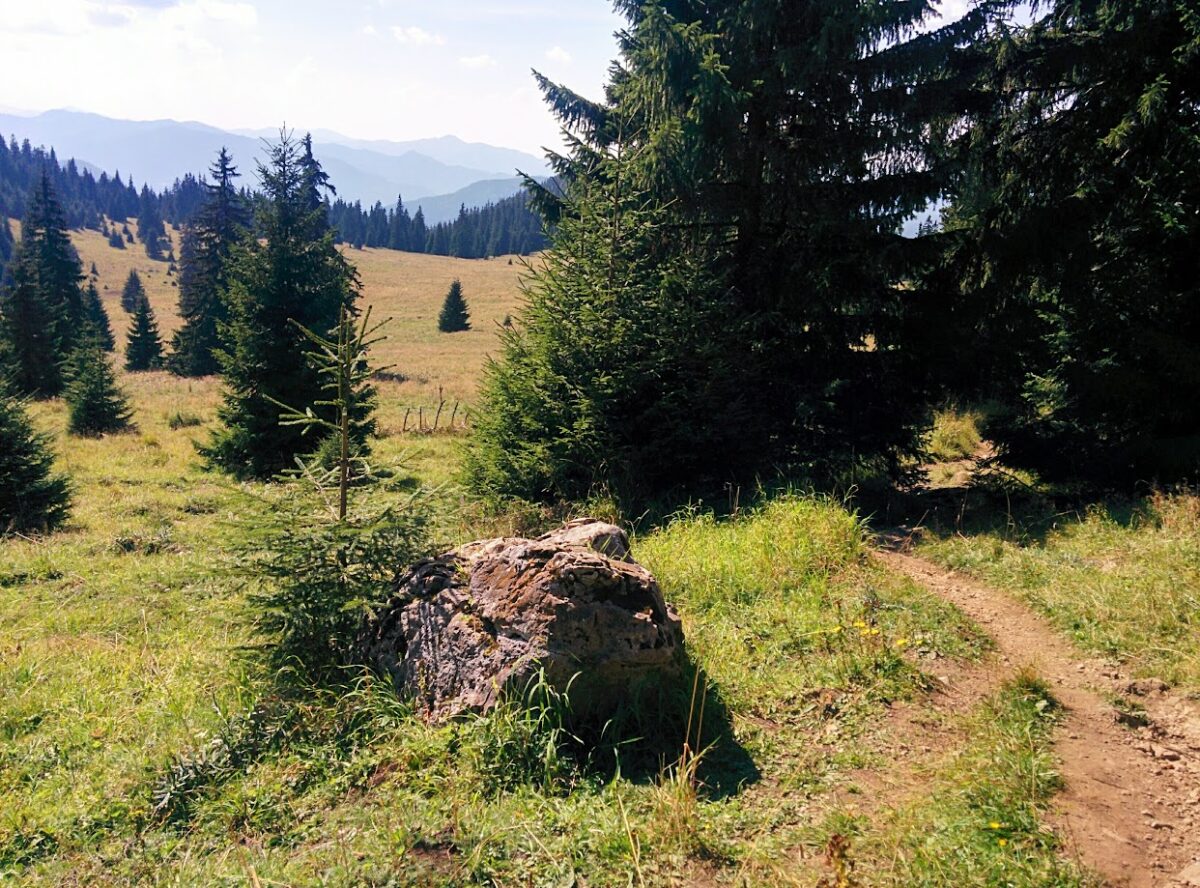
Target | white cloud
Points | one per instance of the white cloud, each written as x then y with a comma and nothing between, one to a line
417,36
477,62
558,54
240,15
952,10
370,31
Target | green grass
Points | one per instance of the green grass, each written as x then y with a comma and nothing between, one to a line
954,435
987,826
1123,581
124,686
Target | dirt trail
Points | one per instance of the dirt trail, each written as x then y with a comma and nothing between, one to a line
1131,806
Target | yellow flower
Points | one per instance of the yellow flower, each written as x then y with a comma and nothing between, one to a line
901,642
859,624
993,825
1003,843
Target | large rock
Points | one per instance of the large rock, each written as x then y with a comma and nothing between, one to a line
485,618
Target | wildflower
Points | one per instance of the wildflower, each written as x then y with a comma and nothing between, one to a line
901,642
993,825
1003,843
859,624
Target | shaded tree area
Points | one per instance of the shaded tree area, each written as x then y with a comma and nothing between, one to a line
1073,235
454,316
726,297
32,496
95,403
143,344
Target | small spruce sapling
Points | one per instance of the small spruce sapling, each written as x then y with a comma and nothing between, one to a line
319,561
95,404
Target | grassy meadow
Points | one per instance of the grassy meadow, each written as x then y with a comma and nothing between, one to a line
124,677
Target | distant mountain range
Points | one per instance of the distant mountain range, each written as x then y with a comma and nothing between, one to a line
439,175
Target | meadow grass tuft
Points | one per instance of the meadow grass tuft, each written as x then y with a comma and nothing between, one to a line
987,825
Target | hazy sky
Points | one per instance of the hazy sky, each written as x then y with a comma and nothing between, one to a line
383,69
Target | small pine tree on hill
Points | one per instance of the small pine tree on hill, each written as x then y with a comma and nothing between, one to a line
133,293
96,318
454,317
96,405
32,496
143,349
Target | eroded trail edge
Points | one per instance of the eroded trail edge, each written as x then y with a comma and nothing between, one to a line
1130,809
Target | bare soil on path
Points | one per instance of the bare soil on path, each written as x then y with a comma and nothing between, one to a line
1129,750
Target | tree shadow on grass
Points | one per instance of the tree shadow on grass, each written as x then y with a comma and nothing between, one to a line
661,717
996,504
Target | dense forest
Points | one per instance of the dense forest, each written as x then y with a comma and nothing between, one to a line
508,226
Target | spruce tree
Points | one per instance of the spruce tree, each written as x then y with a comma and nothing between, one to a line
41,309
32,497
454,317
6,239
765,156
1074,233
143,347
205,257
29,330
96,405
293,277
132,293
150,225
96,318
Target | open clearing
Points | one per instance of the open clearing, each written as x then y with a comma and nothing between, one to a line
874,715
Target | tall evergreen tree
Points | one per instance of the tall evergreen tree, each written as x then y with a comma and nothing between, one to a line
96,318
454,317
292,278
32,497
143,346
41,312
95,404
775,150
151,230
205,257
133,292
1074,231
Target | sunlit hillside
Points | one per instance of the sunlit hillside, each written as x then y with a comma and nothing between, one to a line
407,288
